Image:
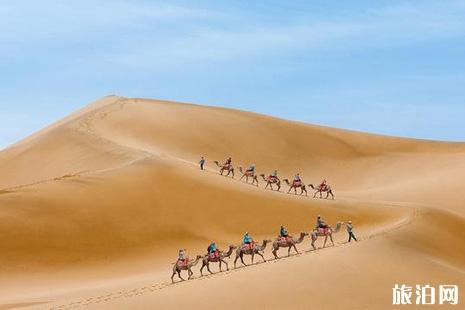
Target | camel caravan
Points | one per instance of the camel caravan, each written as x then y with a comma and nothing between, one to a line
249,247
272,181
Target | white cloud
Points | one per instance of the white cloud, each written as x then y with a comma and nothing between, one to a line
29,21
388,26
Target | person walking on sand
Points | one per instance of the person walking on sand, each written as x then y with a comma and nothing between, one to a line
350,231
202,162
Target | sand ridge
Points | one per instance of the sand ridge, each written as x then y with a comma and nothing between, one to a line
106,196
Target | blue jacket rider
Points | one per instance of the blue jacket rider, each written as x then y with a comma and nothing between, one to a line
212,247
247,239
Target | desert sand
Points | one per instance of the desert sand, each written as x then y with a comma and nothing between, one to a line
94,208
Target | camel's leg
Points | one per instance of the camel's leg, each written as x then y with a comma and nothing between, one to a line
242,259
314,195
313,241
235,260
331,192
253,254
295,248
264,260
179,275
331,237
275,250
189,273
326,238
224,262
289,251
172,276
201,269
321,196
242,177
208,268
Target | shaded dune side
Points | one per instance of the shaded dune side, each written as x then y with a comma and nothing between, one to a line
151,207
63,149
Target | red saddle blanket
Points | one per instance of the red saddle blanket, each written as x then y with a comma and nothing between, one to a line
182,263
215,254
297,183
284,239
323,230
248,246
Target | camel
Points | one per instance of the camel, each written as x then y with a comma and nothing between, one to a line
177,268
207,259
270,181
296,185
225,167
320,189
248,174
289,243
240,251
325,232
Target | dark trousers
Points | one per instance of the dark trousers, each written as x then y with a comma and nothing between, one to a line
351,235
201,166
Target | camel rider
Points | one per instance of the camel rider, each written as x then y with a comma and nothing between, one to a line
275,174
320,223
247,240
297,178
228,161
251,168
323,184
182,257
283,232
212,249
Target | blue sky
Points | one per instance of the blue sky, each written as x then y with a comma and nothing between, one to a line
390,67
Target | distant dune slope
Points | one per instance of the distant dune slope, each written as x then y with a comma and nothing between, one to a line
117,183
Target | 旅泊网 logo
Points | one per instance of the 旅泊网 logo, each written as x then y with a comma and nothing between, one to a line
425,295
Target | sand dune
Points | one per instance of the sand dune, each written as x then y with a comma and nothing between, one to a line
94,207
